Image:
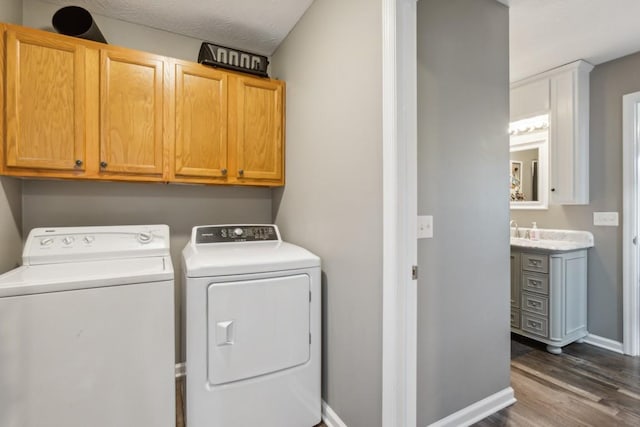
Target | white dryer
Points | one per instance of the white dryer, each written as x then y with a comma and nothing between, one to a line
253,329
87,330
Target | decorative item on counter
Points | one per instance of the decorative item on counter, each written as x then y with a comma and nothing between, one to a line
77,22
233,59
534,233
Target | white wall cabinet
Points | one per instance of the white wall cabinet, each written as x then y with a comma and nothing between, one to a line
563,93
529,99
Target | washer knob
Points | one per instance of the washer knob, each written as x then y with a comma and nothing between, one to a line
144,237
47,241
68,240
238,232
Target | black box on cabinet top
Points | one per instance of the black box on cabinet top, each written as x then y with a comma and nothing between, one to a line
233,59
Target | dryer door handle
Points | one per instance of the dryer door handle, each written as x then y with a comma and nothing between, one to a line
225,333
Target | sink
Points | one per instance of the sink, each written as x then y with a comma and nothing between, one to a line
555,240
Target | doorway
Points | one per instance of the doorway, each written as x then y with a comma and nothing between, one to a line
631,220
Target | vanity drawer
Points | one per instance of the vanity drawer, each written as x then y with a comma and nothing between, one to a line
535,262
515,318
535,303
535,283
535,325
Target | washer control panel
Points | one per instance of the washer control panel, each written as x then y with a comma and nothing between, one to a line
61,244
232,233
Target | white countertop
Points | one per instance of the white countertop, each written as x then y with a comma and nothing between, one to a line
554,240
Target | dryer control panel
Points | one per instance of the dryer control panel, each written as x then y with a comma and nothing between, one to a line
231,233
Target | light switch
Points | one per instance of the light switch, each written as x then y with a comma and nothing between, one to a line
609,219
425,226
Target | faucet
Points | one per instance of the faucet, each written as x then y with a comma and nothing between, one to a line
513,223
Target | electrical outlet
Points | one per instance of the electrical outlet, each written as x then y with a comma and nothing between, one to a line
609,219
425,226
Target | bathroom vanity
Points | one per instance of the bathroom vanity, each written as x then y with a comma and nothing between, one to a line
549,287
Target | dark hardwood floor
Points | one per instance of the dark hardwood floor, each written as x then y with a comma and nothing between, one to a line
584,386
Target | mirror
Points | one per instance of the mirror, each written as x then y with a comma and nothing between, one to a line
524,175
528,175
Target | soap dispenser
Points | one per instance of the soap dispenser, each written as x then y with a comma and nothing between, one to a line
534,234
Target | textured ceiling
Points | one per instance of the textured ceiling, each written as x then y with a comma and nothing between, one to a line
545,34
253,25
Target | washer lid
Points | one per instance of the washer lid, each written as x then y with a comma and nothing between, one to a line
35,279
243,258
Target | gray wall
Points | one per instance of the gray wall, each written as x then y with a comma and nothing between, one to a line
38,14
609,82
11,11
66,203
73,203
332,203
10,223
463,290
10,188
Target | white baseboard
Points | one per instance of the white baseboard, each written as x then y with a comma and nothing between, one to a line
605,343
330,418
479,410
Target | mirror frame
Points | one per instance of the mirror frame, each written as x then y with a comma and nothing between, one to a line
528,141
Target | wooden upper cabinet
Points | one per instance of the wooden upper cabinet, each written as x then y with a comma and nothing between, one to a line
45,102
200,123
131,113
256,122
75,108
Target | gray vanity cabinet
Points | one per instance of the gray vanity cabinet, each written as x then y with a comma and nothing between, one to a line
515,289
549,296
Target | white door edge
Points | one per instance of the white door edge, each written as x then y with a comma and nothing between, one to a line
399,149
631,209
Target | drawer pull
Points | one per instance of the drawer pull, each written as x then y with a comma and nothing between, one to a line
533,303
533,324
536,283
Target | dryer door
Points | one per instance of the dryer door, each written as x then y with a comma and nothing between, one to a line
256,327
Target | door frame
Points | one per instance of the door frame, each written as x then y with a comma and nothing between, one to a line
400,198
630,224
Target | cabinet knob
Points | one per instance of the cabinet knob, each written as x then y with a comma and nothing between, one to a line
241,172
223,171
78,163
103,164
553,189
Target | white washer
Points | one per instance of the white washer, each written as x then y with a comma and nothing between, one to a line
253,329
87,330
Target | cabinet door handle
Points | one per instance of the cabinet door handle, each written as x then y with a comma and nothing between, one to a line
78,163
223,172
103,165
241,172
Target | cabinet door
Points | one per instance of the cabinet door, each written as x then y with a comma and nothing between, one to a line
256,120
131,113
570,135
515,279
201,122
45,102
